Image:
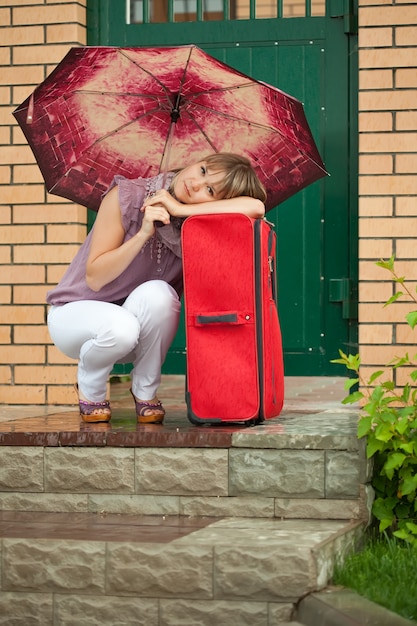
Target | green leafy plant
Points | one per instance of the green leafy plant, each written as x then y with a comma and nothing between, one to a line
388,419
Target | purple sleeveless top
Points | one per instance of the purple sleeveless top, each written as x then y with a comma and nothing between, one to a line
159,259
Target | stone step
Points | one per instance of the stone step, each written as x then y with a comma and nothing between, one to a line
86,568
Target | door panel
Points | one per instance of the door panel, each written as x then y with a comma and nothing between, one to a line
305,57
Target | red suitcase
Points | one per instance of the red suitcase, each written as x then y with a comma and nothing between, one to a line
234,350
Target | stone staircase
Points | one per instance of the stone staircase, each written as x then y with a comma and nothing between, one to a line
161,526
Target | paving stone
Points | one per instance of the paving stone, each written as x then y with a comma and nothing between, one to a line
21,468
209,613
290,508
104,611
227,506
25,609
181,471
170,570
342,474
63,502
136,504
277,473
50,565
83,470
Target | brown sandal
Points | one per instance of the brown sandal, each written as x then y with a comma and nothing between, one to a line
94,411
149,412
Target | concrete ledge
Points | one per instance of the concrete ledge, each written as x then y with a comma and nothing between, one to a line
344,607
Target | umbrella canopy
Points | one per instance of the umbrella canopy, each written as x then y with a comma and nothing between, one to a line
139,111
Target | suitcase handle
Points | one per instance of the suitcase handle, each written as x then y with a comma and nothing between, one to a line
229,317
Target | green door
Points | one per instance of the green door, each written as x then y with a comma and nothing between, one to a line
313,59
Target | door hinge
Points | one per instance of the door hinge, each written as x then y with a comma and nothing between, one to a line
342,290
345,9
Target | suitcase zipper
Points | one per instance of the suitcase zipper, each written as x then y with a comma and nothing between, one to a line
258,310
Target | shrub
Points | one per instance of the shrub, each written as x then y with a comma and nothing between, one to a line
388,418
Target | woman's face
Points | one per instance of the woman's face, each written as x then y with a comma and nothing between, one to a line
195,184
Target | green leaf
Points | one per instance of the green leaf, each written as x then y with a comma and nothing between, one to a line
401,534
364,426
373,446
409,485
387,265
353,397
374,376
411,319
350,382
394,461
394,298
383,508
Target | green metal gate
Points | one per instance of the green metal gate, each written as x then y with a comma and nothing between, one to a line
312,57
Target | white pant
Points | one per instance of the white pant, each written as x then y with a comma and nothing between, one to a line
100,334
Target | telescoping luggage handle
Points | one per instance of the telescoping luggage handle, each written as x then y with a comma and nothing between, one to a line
226,317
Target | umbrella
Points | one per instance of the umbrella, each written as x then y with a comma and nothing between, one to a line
140,111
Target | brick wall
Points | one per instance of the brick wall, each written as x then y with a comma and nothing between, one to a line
387,176
39,233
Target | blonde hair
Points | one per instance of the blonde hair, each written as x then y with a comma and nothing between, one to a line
240,179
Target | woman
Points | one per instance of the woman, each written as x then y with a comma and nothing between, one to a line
119,299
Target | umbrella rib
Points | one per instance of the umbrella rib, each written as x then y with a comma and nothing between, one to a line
116,93
123,53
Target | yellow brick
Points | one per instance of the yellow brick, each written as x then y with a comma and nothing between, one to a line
23,35
375,249
392,15
31,375
5,17
394,227
384,57
6,114
27,174
56,357
59,14
393,142
55,273
5,56
406,36
405,248
374,292
376,164
5,375
366,373
375,334
406,163
66,32
402,375
21,234
405,334
35,55
22,394
49,213
5,294
31,334
10,155
369,271
5,254
388,185
375,206
5,176
408,269
374,313
375,37
406,120
387,100
379,354
33,294
14,75
24,274
5,214
406,78
62,395
50,197
22,314
45,254
5,334
20,93
72,233
5,97
406,206
23,354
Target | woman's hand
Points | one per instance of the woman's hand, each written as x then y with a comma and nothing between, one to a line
163,198
152,214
